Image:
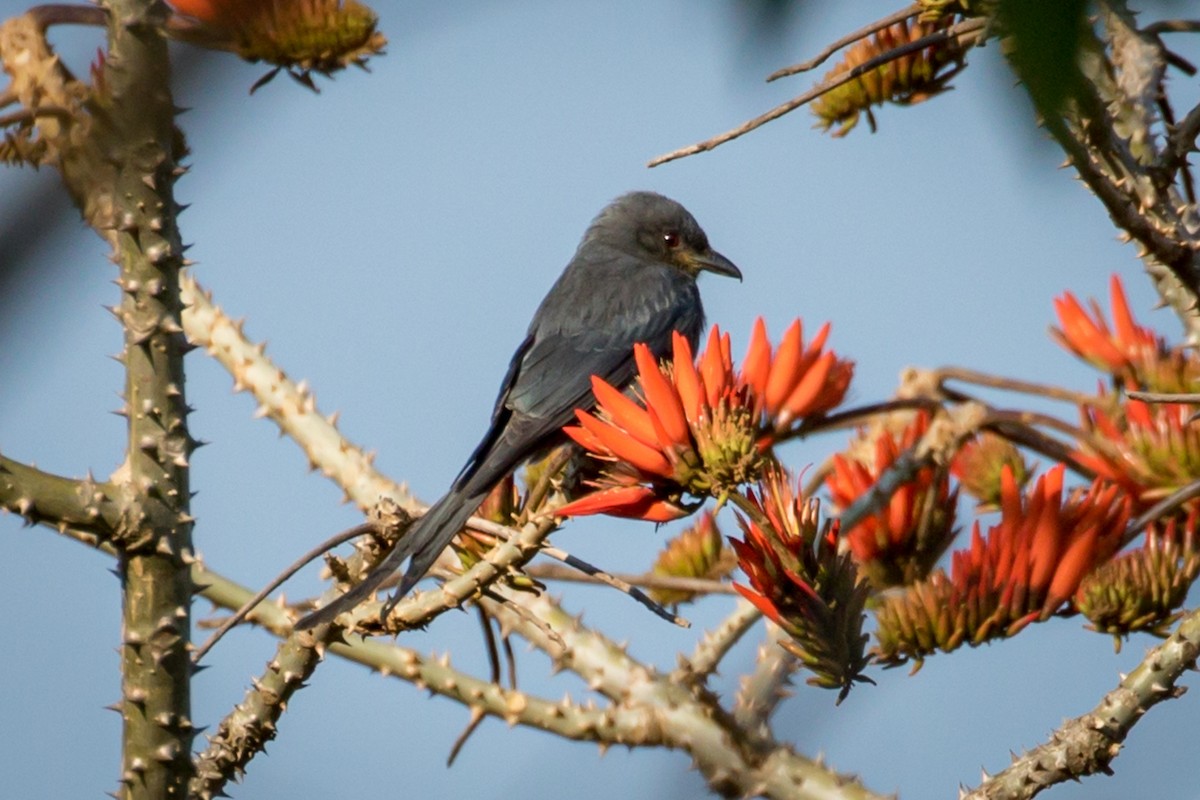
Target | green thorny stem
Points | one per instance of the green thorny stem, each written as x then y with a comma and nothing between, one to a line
135,115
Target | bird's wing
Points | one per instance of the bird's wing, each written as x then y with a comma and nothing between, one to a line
587,326
500,414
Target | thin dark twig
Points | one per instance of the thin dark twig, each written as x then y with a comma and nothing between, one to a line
1172,26
1160,509
960,31
477,714
277,581
1020,433
510,658
489,639
1012,385
1164,397
477,717
30,114
610,580
555,572
848,39
1176,161
1179,62
68,14
852,416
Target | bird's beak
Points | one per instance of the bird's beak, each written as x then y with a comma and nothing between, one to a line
712,261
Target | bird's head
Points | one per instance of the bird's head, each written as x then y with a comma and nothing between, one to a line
651,226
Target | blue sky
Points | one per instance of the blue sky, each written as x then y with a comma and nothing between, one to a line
390,238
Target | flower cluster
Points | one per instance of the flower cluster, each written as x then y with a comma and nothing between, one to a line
800,581
698,552
1142,590
1026,568
1136,357
698,427
898,544
1150,450
980,464
301,36
904,80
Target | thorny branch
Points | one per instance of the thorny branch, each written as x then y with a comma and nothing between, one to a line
1086,745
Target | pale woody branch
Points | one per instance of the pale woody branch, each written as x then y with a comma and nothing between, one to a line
1087,744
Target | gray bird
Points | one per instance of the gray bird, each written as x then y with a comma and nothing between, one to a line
632,279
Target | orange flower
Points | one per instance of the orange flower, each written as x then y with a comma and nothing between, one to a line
1134,355
1029,565
1150,450
800,581
698,427
899,543
300,36
796,381
632,502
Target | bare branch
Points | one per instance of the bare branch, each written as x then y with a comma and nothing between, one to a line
290,405
60,503
848,39
715,644
943,374
617,583
1087,745
761,692
689,717
265,592
646,580
246,730
965,33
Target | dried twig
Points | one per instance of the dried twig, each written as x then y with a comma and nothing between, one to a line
1160,509
978,378
616,583
717,642
848,39
646,580
276,582
961,33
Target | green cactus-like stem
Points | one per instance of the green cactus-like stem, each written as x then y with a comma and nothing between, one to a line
40,497
154,537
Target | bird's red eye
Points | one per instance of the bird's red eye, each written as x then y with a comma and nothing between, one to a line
671,239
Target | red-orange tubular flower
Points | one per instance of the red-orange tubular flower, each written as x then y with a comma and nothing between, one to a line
1150,449
698,427
900,543
800,581
795,381
1029,565
1135,355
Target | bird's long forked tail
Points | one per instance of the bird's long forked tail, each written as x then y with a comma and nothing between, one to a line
424,541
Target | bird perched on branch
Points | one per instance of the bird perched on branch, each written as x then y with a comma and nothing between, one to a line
632,279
